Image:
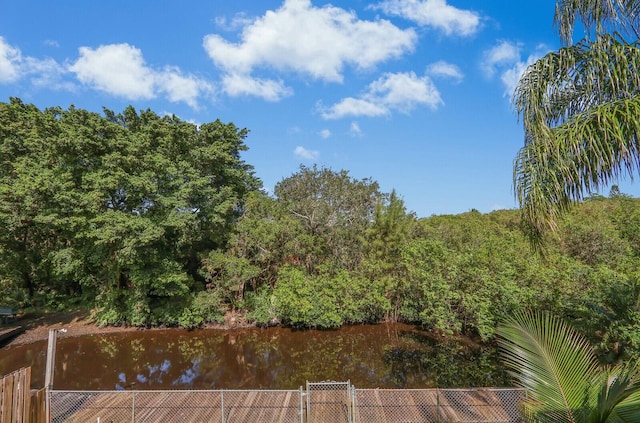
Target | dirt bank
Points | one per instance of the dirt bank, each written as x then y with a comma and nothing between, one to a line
37,326
79,323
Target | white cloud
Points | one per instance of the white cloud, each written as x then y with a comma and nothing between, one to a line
14,66
238,85
117,69
354,107
47,73
312,41
325,133
181,88
10,60
504,53
392,92
238,21
354,129
305,154
506,59
434,13
51,43
120,70
446,70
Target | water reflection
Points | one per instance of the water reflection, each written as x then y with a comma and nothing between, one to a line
385,356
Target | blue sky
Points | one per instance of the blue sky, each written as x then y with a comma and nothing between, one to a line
414,94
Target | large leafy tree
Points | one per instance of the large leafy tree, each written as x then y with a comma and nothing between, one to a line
580,107
121,206
334,211
561,374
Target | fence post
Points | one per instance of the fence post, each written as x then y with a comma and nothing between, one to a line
50,368
222,406
300,405
438,405
354,405
133,407
308,410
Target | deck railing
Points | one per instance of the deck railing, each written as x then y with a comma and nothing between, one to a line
324,402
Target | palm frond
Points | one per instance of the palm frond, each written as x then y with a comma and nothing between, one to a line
580,110
568,162
564,83
596,15
553,362
618,395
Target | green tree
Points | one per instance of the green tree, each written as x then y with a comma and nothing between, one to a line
120,207
385,239
561,374
335,211
580,107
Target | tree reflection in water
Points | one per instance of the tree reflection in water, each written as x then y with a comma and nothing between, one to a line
370,356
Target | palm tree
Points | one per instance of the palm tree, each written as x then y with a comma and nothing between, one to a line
561,374
580,108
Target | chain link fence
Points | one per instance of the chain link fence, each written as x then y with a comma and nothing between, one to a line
322,402
224,406
329,402
438,405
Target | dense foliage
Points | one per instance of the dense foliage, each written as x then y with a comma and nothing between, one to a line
115,209
151,220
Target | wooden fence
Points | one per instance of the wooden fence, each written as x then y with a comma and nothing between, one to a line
17,403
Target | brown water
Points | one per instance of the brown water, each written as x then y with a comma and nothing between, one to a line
385,356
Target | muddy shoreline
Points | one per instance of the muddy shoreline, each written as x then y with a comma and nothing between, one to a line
78,323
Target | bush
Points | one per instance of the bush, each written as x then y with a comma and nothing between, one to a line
327,301
262,307
206,307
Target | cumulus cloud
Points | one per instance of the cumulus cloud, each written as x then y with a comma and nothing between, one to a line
120,70
325,133
305,154
392,92
47,73
14,66
435,14
505,58
236,85
10,60
503,53
318,42
445,70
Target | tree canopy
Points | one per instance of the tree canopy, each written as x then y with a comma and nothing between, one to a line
118,207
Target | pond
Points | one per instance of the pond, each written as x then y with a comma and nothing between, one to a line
370,356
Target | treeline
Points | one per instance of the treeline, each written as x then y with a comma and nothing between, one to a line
151,220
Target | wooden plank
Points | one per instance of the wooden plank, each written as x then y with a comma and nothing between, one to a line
17,397
7,403
37,408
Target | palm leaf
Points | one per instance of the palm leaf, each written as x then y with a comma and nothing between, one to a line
580,108
598,15
553,363
618,396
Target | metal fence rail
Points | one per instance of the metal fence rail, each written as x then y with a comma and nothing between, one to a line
322,402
